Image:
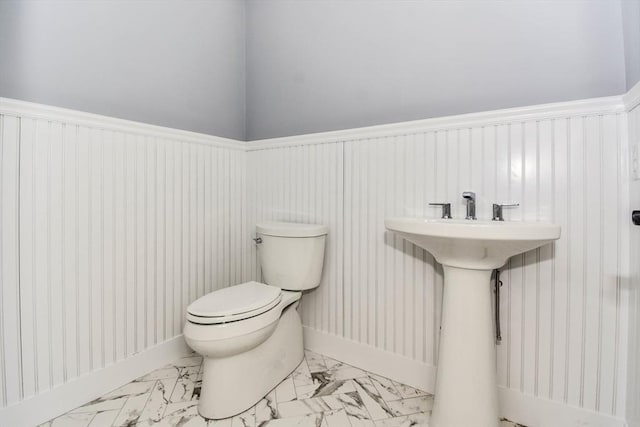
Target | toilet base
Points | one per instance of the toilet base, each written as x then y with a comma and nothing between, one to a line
231,385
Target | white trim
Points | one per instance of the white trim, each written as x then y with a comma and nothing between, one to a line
43,407
587,107
632,98
595,106
384,363
514,405
537,412
17,108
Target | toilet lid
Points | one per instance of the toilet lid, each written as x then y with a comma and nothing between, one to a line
235,300
291,229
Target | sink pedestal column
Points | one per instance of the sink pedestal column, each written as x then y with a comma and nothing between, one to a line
466,390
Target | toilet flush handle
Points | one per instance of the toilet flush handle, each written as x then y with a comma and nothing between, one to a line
258,240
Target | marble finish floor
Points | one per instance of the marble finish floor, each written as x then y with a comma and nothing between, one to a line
321,392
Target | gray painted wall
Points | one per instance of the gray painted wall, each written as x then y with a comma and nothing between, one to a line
172,63
311,66
324,65
631,28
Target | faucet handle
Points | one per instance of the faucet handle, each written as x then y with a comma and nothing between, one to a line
497,210
446,209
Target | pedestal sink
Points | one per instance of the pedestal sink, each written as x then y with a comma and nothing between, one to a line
466,391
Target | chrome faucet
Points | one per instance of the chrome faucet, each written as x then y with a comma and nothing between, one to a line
470,197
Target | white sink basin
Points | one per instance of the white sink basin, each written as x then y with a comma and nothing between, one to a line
478,245
466,390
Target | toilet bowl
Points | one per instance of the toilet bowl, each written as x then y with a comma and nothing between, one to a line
250,335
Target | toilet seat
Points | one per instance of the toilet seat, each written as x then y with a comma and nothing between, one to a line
200,331
234,303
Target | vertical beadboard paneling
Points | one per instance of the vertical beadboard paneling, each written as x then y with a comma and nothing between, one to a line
560,297
106,236
55,250
129,236
562,306
120,297
70,227
633,375
27,263
544,267
610,274
315,196
11,371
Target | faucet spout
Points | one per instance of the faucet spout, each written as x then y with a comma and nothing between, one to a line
470,197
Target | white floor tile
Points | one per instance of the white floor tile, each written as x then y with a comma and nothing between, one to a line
245,419
301,375
185,386
336,418
300,407
188,361
355,409
189,407
286,391
321,392
315,362
73,420
132,389
132,409
412,405
421,419
104,419
158,401
371,399
407,391
386,388
103,404
309,420
167,372
266,409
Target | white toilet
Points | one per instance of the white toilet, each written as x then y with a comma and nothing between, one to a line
250,335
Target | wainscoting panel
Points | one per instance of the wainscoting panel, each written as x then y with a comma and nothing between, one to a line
121,226
109,228
633,375
10,351
564,306
303,184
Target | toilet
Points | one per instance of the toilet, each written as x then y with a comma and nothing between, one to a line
250,335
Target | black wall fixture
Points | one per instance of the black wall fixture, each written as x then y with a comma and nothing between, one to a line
635,217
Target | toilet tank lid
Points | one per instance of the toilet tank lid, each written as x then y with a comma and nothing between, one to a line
291,229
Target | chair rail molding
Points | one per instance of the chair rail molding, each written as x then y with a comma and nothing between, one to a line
24,109
557,110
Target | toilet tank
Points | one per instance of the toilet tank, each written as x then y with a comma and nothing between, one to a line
291,255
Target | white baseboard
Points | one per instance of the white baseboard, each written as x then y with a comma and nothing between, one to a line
516,406
536,412
372,359
45,406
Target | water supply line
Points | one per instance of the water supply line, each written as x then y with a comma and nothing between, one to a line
498,285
